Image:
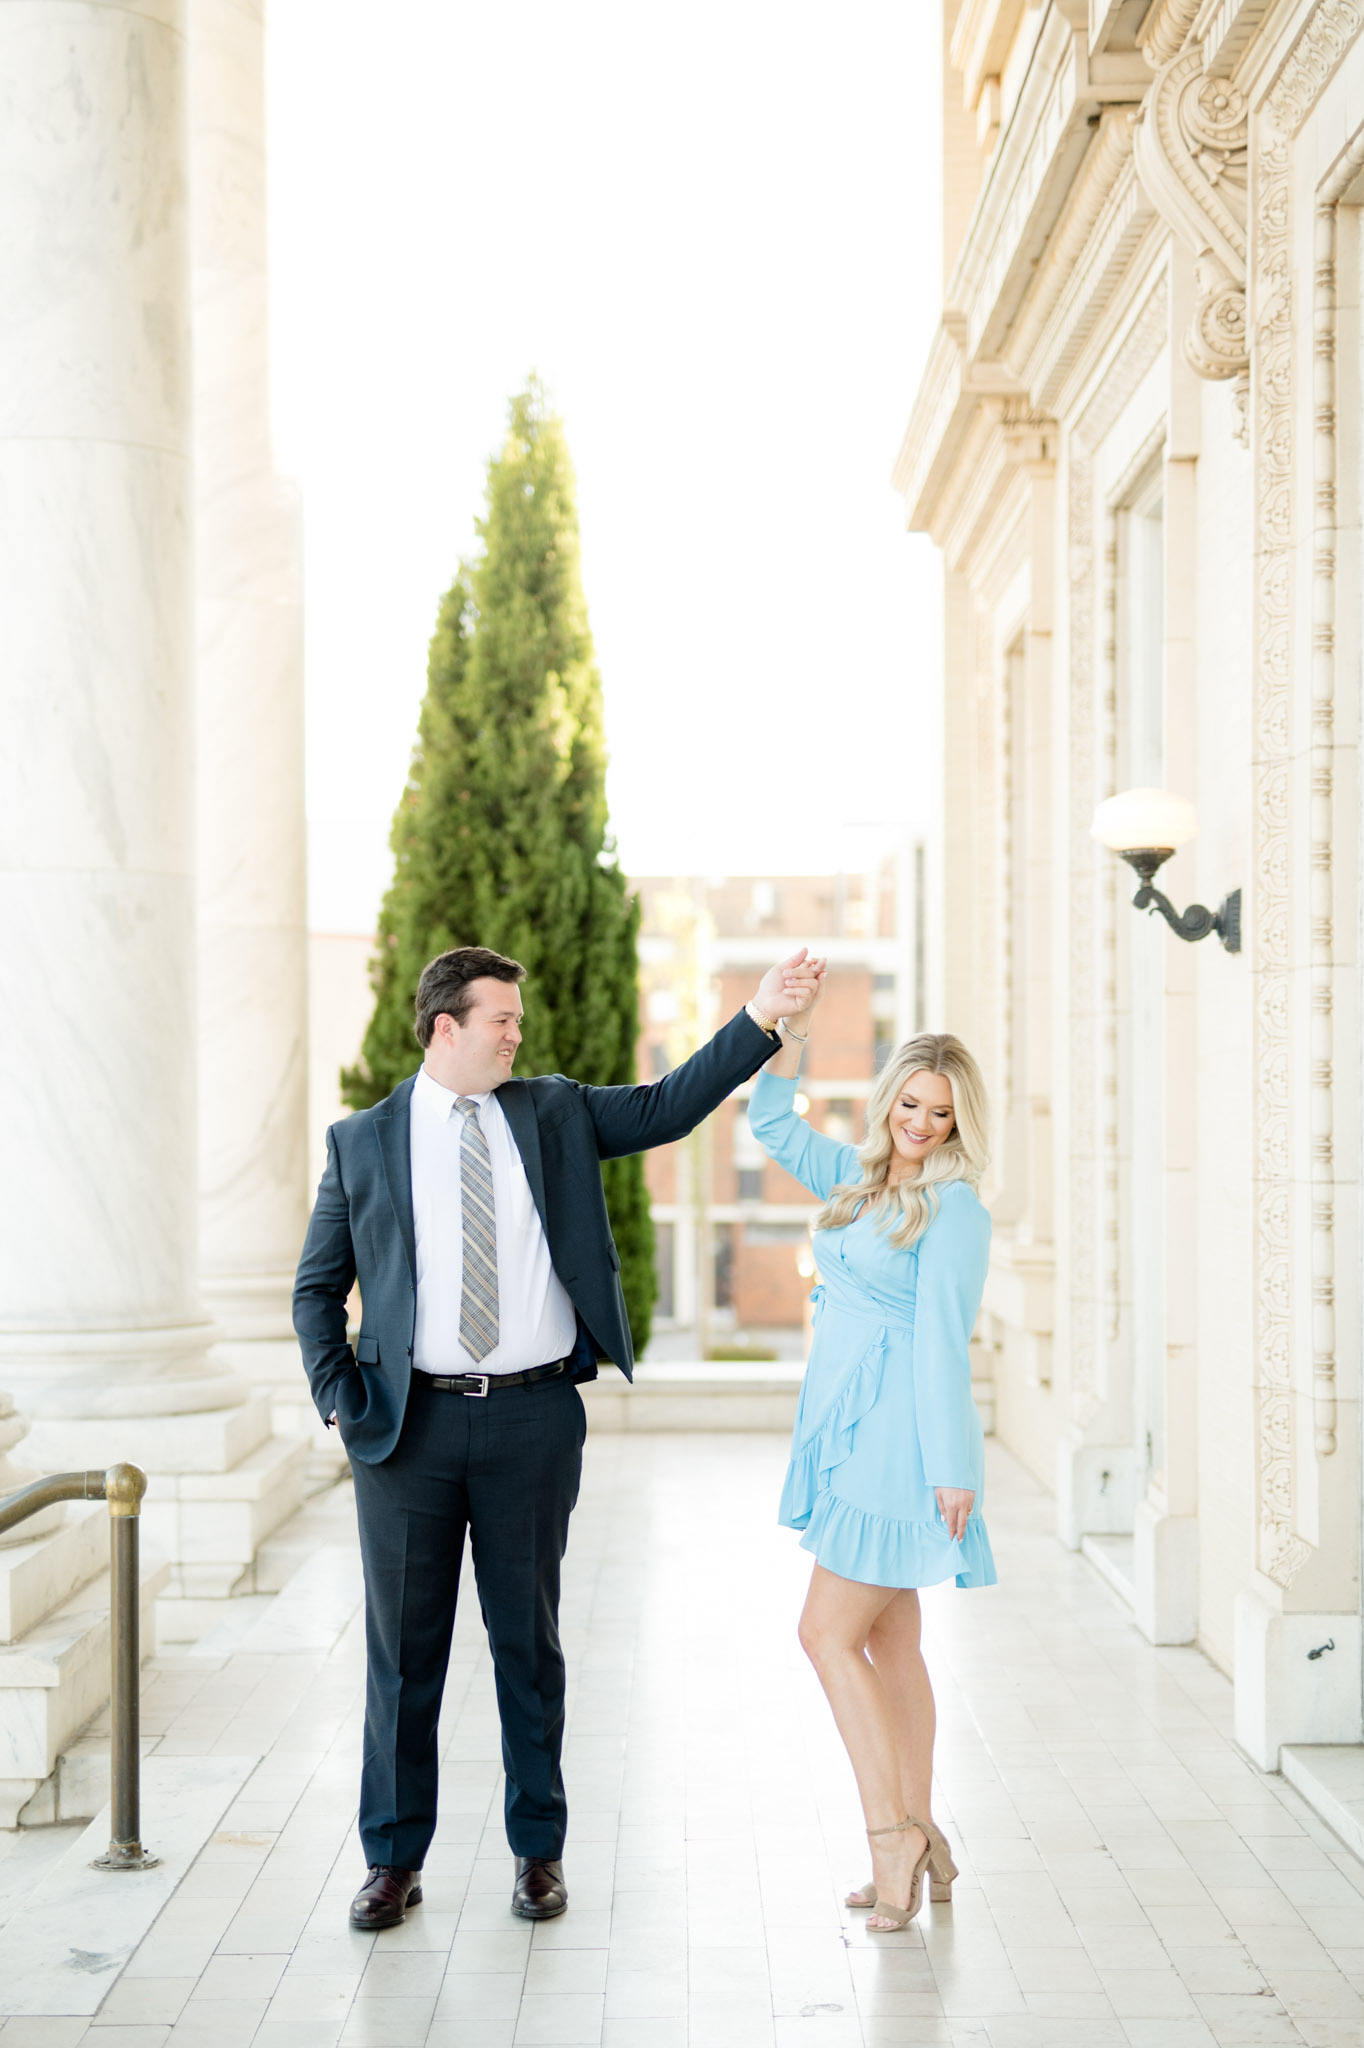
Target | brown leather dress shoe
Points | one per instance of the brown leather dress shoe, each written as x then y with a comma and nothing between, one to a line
540,1891
384,1897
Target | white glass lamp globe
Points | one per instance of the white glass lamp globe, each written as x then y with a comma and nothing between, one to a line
1145,818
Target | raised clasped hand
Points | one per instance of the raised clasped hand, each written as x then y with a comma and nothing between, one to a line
793,986
954,1505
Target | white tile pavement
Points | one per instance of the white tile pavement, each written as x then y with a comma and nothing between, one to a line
69,1940
1127,1878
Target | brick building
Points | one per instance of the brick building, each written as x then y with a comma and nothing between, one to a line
732,1229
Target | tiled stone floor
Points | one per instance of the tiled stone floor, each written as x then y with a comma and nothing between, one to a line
1126,1877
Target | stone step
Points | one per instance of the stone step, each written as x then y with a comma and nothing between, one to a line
696,1394
56,1678
311,1613
277,1367
1113,1559
37,1577
200,1440
213,1523
79,1786
1330,1777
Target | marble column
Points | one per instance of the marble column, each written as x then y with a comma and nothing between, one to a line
253,1191
99,1312
103,1336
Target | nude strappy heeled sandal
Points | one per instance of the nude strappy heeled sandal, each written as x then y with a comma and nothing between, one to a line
900,1916
941,1872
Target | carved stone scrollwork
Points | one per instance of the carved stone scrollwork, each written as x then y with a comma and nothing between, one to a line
1164,30
1216,341
1192,155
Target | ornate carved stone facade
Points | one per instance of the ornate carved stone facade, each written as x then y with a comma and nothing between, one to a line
1172,272
1327,35
1281,1553
1192,152
1093,765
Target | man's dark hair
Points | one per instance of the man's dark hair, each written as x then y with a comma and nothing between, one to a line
443,990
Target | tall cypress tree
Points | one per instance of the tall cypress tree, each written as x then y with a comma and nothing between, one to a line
501,836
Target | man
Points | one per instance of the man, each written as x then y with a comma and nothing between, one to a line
469,1205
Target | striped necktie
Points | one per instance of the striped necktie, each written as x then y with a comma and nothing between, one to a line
478,1296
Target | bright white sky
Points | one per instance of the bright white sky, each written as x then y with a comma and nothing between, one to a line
714,232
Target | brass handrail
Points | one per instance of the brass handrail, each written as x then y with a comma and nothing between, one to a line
123,1487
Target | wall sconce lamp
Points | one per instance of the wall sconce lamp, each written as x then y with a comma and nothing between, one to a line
1144,826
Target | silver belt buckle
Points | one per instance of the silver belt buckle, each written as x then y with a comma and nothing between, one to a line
477,1393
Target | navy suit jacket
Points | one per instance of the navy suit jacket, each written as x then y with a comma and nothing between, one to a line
361,1225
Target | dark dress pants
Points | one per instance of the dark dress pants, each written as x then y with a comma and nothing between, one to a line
506,1468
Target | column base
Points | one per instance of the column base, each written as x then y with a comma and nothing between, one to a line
278,1368
250,1308
1096,1488
1282,1694
211,1524
115,1374
1165,1574
207,1440
219,1482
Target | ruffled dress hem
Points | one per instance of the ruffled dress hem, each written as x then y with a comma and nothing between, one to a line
852,1542
876,1550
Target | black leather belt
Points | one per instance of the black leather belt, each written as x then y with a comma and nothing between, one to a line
478,1385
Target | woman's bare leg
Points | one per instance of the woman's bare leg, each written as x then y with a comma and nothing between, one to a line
835,1626
893,1645
894,1648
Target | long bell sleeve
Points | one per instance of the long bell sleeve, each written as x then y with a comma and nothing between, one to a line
953,1255
817,1162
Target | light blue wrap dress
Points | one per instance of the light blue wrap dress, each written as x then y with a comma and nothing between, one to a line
885,1413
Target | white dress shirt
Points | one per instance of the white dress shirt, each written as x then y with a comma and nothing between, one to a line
536,1322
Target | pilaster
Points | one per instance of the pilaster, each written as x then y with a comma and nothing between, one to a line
1290,1687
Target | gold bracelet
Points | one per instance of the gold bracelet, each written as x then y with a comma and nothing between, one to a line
761,1019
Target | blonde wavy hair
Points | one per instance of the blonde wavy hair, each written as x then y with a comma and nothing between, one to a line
963,1156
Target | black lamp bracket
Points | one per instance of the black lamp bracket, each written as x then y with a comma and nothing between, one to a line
1197,921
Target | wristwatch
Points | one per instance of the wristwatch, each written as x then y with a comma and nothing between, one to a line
762,1020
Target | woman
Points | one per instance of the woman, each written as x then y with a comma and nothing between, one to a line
887,1455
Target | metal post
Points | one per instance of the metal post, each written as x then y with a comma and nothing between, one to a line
124,1487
